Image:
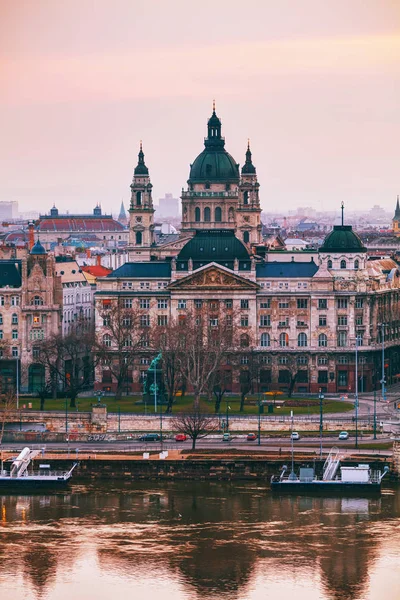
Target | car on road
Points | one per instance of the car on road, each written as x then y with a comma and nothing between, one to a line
294,436
251,437
150,437
227,437
343,435
180,437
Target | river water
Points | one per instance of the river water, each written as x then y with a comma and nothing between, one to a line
186,541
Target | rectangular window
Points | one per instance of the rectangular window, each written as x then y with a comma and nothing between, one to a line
198,303
127,303
1,319
244,360
343,360
265,360
106,321
144,285
342,320
162,320
106,304
214,305
342,338
322,321
144,320
127,285
228,303
322,360
1,334
283,360
302,360
228,320
283,376
126,322
265,320
342,378
302,302
283,304
322,376
322,303
14,352
244,321
14,334
359,302
213,322
181,303
302,376
359,339
359,320
342,303
1,300
244,304
161,304
144,303
144,361
14,300
161,285
14,320
301,324
265,303
283,323
35,352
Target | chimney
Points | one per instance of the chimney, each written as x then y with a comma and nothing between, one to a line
98,260
87,252
31,236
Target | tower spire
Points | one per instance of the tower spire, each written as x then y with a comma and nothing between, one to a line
342,207
248,166
141,168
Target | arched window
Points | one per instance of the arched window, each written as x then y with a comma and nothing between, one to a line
322,340
197,216
207,214
246,198
342,264
244,340
302,340
138,238
107,340
283,340
231,214
246,237
138,198
218,214
37,301
329,264
265,340
356,264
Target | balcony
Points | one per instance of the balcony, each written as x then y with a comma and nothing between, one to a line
208,194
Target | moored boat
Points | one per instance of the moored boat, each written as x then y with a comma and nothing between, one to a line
336,479
20,476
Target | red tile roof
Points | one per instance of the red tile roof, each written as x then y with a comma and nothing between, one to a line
79,223
97,270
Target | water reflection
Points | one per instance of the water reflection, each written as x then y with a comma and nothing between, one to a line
187,541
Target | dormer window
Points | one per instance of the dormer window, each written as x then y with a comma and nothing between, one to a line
343,264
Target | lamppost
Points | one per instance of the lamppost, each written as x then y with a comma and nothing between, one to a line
119,419
382,381
227,415
66,415
17,382
374,414
356,391
321,420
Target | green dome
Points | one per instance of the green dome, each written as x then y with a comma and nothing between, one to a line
214,164
342,239
209,246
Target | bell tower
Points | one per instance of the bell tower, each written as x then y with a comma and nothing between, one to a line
248,213
141,213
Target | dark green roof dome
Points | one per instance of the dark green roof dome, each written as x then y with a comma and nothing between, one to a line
141,168
38,249
214,246
342,239
214,163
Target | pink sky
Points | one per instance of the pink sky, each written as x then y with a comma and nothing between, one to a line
314,84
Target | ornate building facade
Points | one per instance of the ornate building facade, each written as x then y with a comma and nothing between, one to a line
302,313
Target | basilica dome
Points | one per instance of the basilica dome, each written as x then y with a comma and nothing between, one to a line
342,239
214,164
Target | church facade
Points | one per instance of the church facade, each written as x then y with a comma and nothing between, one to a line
302,313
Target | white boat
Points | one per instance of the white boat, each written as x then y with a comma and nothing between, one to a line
21,476
351,480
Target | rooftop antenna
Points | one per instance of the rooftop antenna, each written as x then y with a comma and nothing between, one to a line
342,213
213,106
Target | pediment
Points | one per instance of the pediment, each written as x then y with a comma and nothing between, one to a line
213,277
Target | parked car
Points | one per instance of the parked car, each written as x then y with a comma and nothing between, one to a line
294,435
343,435
251,437
180,437
227,437
150,437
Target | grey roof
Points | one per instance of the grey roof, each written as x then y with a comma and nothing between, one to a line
10,273
145,270
286,269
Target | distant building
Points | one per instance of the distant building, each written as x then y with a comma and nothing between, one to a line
168,206
8,210
122,218
396,219
56,227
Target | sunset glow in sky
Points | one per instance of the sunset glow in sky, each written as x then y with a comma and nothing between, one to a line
314,84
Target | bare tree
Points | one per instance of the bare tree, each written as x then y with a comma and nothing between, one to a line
124,337
207,338
168,340
68,360
8,404
195,425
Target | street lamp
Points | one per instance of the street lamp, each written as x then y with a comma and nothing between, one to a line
382,381
228,408
356,391
321,420
17,382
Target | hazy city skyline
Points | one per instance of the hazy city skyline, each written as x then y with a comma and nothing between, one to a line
315,86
